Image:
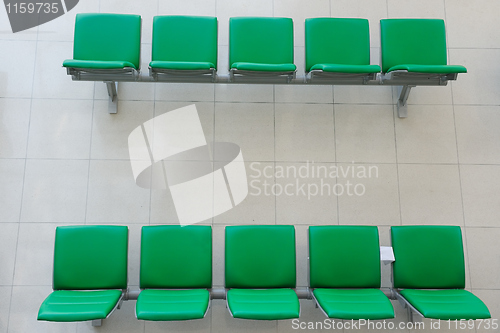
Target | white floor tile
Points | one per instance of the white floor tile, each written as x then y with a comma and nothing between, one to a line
60,129
51,80
11,189
304,132
249,125
479,85
483,262
15,116
371,197
365,133
113,196
477,134
244,93
187,7
259,207
427,135
430,194
16,74
8,246
110,131
480,188
415,9
303,197
35,254
55,191
469,23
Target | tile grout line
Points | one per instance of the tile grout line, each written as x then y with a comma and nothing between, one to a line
24,183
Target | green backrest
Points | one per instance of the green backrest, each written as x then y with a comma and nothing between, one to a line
108,37
185,38
260,256
344,257
343,41
428,257
412,42
176,257
90,257
265,40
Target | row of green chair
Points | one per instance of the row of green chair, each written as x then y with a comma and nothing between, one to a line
90,273
261,50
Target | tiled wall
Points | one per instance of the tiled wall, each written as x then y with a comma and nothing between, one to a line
64,159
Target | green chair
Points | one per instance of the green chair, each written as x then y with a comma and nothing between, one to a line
414,53
90,273
344,272
184,48
107,47
338,51
429,273
176,271
261,49
260,272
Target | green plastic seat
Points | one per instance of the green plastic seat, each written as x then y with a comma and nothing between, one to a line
260,272
354,303
165,305
106,42
345,272
90,272
339,46
173,259
184,45
432,258
262,304
415,46
261,45
69,305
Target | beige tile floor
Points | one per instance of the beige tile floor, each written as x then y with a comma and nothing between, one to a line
64,159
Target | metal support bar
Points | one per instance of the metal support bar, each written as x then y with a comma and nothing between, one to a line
97,322
404,92
113,96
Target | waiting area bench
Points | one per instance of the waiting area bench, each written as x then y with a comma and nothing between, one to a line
261,50
90,273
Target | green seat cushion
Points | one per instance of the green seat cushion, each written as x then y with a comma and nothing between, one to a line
185,39
164,305
447,304
270,304
342,41
260,40
181,65
433,69
108,37
428,257
354,303
412,42
97,64
90,257
260,256
248,66
344,257
176,257
353,69
69,305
